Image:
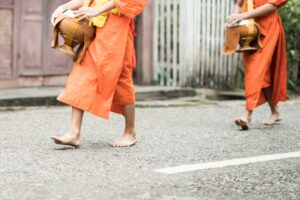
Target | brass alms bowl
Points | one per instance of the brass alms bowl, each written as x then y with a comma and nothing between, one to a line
246,34
77,36
74,33
248,38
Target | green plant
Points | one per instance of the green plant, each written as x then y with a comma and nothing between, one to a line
290,15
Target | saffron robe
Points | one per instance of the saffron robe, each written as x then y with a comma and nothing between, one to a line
268,66
102,82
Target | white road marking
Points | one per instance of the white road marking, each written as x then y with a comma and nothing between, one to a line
226,163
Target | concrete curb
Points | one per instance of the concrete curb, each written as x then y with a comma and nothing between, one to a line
47,96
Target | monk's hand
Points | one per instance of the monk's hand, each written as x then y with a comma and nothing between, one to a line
225,27
87,13
57,11
235,18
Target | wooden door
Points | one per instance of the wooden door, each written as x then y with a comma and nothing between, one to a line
36,56
7,44
54,62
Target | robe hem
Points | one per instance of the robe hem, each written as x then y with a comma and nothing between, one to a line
103,116
261,103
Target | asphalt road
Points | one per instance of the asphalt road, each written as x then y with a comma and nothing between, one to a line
32,167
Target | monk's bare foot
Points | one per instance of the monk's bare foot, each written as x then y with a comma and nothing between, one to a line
273,119
243,122
67,139
127,140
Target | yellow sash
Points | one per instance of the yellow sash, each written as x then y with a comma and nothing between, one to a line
100,20
248,6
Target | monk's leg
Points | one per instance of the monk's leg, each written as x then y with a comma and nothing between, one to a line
275,114
73,137
247,116
129,137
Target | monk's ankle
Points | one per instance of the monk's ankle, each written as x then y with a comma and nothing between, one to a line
75,134
130,131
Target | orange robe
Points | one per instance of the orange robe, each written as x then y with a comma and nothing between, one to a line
102,82
267,67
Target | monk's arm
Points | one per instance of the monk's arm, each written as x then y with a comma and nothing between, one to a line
258,12
106,7
72,5
129,8
94,11
237,8
238,5
261,11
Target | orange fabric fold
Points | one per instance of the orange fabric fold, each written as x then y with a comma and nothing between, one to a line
267,67
278,3
130,8
102,82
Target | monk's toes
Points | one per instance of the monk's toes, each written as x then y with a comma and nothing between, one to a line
117,145
237,121
123,143
243,124
53,137
268,122
56,140
264,123
113,145
61,141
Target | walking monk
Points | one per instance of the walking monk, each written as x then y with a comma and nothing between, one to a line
266,69
102,82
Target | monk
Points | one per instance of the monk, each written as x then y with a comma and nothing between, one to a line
102,82
266,69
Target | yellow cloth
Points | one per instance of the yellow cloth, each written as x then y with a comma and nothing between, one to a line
100,20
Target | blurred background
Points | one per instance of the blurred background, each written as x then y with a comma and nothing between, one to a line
185,114
178,43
